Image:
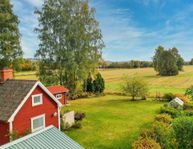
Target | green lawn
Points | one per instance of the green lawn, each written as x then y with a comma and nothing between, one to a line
112,122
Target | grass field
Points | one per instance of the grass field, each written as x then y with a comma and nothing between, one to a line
114,77
112,122
174,84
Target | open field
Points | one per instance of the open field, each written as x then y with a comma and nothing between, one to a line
114,77
174,84
112,122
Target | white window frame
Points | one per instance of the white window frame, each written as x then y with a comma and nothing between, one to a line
36,104
37,117
60,96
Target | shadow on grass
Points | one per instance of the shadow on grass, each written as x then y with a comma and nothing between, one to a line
126,100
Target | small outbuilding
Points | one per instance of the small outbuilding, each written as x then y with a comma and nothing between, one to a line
176,102
60,92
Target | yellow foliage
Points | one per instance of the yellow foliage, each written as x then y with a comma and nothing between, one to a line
183,97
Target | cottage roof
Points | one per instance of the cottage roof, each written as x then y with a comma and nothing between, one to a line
57,89
48,138
12,92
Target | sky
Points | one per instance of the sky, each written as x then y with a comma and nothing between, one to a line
131,29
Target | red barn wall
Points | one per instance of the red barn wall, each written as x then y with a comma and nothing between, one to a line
4,131
22,121
63,100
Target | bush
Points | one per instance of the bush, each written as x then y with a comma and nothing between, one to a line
146,143
135,87
99,84
77,125
148,133
168,96
79,116
188,106
189,92
13,135
183,130
165,118
184,98
163,133
171,111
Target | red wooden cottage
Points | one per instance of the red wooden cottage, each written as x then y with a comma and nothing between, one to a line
60,92
25,105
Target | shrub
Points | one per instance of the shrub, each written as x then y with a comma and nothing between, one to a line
146,143
163,133
135,87
77,125
189,92
148,133
168,96
13,135
79,116
99,84
183,131
27,132
171,111
165,118
184,98
188,106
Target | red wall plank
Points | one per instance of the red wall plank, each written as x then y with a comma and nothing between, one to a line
4,131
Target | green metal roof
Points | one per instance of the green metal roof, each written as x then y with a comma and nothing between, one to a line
48,138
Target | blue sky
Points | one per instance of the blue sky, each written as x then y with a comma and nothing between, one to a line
131,29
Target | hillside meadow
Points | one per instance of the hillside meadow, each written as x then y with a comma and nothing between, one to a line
157,84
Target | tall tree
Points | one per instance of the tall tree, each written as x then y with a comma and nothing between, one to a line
168,66
179,59
70,42
10,47
99,84
167,62
157,58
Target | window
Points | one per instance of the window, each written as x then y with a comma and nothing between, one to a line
38,123
36,100
58,96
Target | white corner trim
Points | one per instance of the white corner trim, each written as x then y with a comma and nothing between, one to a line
38,83
37,117
41,100
59,118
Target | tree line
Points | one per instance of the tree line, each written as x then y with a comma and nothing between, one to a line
129,64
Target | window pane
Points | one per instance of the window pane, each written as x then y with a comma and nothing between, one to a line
38,122
37,99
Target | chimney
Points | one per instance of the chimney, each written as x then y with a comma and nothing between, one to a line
6,74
